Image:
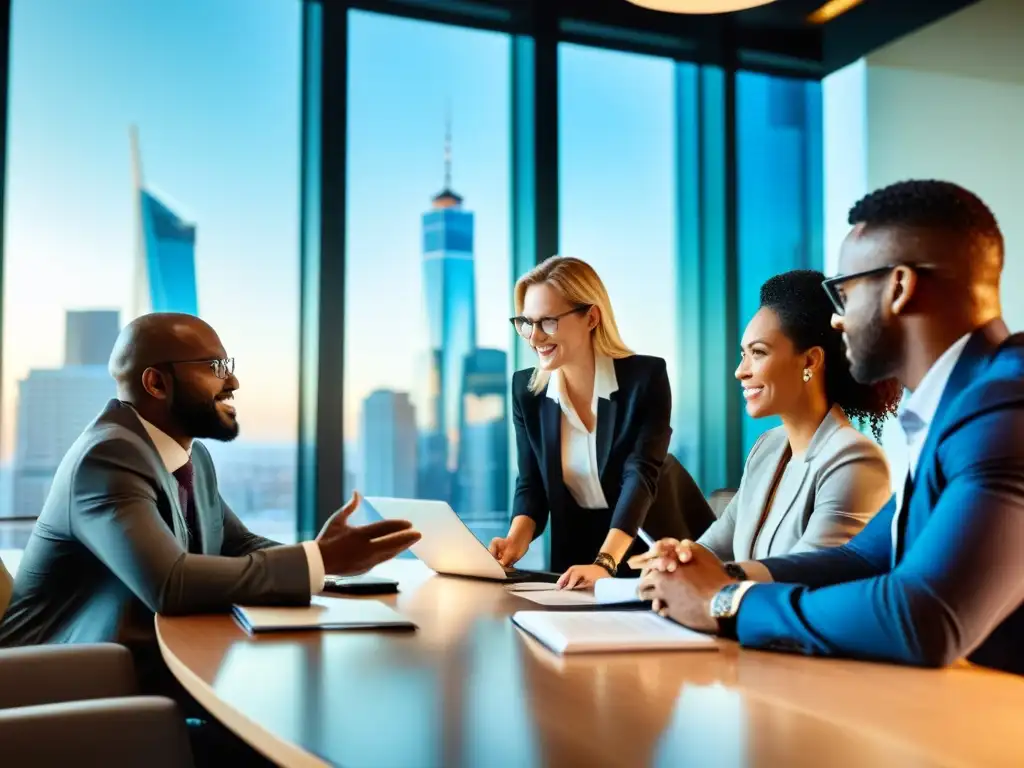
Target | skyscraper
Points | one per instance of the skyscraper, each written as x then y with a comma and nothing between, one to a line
388,432
451,310
165,267
483,478
55,405
89,335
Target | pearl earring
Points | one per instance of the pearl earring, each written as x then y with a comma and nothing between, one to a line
807,374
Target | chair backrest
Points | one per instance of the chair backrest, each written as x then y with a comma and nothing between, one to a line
6,587
720,499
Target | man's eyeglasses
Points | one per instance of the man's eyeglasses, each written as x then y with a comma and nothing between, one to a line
833,285
524,326
222,369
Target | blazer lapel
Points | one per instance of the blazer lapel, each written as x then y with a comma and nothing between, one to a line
747,525
974,358
606,412
124,415
171,487
551,440
792,482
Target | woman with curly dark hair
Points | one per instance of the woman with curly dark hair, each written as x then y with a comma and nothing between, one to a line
815,481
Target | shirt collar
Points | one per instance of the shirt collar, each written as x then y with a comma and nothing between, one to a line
917,411
605,381
171,453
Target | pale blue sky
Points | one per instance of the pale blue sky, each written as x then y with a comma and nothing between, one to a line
214,86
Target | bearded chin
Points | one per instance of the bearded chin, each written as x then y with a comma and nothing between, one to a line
876,353
202,419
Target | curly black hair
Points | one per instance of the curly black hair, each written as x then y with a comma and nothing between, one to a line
805,314
933,205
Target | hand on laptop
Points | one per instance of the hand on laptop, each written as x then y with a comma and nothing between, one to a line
349,550
510,550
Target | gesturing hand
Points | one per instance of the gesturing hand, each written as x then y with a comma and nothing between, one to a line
349,550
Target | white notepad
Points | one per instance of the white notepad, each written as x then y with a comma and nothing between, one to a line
322,613
594,631
559,597
611,591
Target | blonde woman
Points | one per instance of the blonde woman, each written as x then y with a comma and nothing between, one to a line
592,427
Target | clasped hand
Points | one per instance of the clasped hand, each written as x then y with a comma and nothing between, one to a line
681,578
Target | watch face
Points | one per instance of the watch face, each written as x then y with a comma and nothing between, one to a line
721,604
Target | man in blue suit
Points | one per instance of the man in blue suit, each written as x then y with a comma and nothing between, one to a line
938,574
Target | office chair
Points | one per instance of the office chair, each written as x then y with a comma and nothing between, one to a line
66,705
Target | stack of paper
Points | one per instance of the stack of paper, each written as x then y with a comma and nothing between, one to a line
606,592
322,613
615,591
595,631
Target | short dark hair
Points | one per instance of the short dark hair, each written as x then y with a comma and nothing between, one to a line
929,204
805,315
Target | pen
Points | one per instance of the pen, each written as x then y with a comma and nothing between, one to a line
645,538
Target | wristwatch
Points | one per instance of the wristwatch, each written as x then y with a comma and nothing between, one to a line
726,603
607,562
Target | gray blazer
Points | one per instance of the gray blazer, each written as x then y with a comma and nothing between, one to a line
824,498
110,548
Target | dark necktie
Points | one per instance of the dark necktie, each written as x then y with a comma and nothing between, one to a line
901,520
185,476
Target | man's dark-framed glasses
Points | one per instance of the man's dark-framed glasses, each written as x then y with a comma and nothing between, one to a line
833,285
524,326
222,369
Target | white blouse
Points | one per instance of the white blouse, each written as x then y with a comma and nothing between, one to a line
579,446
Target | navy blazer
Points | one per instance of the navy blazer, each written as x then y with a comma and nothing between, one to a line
633,432
954,584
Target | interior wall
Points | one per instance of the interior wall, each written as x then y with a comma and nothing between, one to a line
946,102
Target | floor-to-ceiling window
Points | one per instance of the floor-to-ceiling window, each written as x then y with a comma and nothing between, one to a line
779,190
617,186
152,164
428,276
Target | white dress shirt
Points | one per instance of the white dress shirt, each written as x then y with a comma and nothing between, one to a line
916,413
915,416
580,471
175,457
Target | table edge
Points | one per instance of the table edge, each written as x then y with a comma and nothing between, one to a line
272,747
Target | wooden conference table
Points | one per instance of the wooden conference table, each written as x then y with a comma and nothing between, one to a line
469,689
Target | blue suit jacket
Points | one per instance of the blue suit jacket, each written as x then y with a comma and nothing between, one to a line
955,586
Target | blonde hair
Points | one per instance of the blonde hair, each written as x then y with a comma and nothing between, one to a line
580,286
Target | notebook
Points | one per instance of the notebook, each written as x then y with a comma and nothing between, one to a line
600,631
322,613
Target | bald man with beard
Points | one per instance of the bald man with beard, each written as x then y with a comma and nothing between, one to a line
134,523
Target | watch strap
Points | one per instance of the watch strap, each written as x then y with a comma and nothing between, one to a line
607,562
735,571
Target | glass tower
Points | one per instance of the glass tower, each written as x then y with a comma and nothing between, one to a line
165,262
451,319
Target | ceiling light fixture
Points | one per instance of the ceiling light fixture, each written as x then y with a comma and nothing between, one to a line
831,9
699,6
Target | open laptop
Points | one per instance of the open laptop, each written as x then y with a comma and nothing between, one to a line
447,545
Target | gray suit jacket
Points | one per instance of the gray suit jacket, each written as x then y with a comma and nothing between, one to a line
110,548
824,498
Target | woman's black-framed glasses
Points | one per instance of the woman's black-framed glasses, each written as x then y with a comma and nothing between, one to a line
833,285
222,369
549,325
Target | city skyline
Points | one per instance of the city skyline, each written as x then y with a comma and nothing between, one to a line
56,405
215,90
